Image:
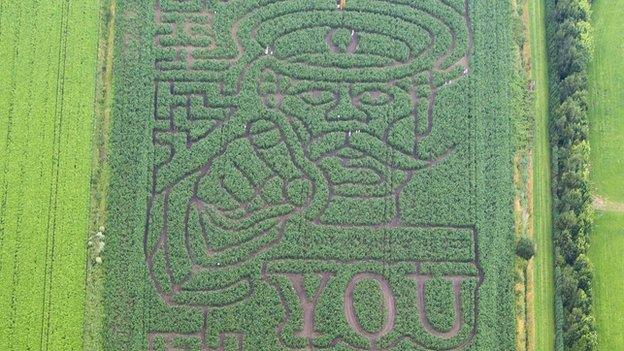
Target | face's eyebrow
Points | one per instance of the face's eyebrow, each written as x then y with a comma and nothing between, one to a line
311,86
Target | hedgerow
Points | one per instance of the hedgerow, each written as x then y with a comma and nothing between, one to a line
570,50
286,175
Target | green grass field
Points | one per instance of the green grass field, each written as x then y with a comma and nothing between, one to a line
607,100
48,51
607,141
605,253
542,198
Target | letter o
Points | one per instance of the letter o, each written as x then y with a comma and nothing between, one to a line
388,301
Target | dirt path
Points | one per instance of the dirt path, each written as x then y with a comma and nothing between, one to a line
602,204
308,304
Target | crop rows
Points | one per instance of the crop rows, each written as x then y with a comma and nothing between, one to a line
316,178
46,116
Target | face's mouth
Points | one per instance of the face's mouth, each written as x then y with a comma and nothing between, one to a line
345,165
342,41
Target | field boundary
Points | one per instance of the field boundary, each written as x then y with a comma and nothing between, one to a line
570,47
94,279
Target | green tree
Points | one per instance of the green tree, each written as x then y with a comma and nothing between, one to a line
525,248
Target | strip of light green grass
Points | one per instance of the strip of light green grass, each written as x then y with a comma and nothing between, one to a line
18,163
606,256
606,74
46,116
606,116
94,302
542,196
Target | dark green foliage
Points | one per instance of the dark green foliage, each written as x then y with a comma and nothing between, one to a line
270,153
570,51
525,248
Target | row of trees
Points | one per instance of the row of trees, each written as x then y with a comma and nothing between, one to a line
570,53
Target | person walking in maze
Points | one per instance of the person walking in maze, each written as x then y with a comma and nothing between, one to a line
318,121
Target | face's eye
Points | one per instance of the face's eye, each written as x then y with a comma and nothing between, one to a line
375,97
317,96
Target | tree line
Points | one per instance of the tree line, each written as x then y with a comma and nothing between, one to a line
570,52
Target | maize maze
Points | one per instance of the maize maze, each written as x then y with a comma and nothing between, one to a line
313,177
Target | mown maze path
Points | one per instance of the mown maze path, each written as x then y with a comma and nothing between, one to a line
46,111
313,176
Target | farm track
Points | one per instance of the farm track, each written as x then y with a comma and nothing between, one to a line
543,272
94,299
45,126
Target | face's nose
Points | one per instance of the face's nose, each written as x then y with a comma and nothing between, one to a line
345,108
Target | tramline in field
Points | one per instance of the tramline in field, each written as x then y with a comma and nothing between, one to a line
314,177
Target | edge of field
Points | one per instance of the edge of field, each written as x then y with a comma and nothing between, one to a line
94,309
542,199
607,139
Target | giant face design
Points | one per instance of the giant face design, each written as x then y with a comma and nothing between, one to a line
364,137
357,130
